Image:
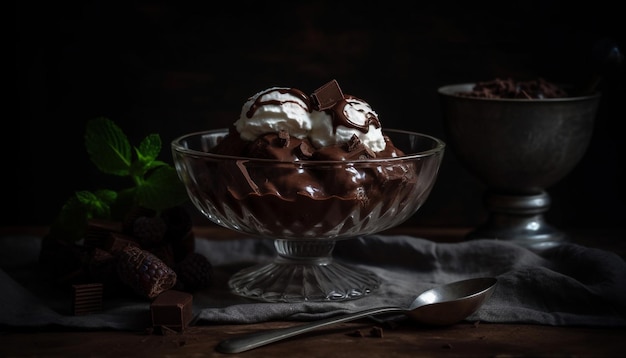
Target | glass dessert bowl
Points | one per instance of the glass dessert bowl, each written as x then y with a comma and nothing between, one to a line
305,206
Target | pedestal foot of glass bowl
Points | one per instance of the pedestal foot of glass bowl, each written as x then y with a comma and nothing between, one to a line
303,271
519,219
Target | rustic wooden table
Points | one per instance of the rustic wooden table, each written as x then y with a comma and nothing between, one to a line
403,340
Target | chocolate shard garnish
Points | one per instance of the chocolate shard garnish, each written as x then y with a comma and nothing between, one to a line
359,150
172,309
327,96
87,298
369,152
354,143
283,138
305,150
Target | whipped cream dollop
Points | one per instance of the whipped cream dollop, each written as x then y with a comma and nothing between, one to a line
275,109
328,117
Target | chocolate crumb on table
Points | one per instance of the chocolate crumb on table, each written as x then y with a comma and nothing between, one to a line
376,332
355,333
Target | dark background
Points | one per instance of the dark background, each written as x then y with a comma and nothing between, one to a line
171,67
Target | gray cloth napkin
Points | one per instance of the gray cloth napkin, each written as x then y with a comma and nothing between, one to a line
566,285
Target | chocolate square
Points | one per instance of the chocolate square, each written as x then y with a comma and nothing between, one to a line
98,231
87,298
172,309
327,96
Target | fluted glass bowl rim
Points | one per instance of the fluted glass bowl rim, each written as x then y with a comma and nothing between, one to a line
438,147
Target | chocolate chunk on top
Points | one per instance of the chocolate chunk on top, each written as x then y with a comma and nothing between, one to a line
353,143
358,149
327,96
283,138
305,150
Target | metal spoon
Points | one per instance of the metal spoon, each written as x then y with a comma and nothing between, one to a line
439,306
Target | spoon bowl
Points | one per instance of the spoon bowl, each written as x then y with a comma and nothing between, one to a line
439,306
451,303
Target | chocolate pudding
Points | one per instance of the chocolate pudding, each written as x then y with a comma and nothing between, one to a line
322,164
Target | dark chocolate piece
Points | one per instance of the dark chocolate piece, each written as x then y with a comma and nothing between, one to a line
172,309
283,138
87,298
353,143
358,149
376,332
305,150
356,333
98,230
327,96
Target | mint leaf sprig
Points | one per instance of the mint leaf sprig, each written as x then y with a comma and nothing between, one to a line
154,184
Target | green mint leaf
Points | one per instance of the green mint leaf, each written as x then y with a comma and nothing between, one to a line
156,183
147,152
107,196
138,170
108,147
94,205
162,189
155,164
149,148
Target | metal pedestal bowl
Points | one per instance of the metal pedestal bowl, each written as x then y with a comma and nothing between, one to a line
518,148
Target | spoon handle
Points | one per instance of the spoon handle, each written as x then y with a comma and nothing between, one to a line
258,339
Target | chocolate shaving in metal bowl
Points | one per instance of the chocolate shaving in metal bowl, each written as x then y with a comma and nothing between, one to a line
509,88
